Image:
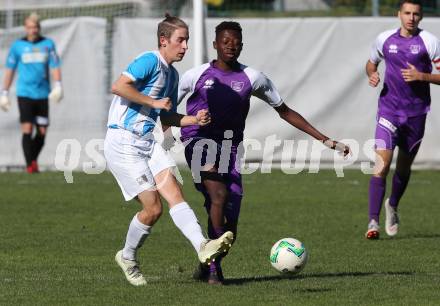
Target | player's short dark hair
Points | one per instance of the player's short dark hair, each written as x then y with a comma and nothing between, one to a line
228,25
415,2
167,27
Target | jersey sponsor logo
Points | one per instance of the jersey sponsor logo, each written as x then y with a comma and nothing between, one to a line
415,49
385,123
393,49
34,57
237,86
208,84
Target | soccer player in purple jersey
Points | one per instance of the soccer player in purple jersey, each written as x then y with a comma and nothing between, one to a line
403,105
224,86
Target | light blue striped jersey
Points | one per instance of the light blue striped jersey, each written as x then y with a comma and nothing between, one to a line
32,59
153,77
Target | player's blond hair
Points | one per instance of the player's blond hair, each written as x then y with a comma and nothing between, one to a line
167,27
33,17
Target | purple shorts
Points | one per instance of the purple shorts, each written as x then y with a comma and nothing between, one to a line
200,152
404,132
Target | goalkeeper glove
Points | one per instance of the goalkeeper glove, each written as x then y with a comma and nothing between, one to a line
56,94
5,104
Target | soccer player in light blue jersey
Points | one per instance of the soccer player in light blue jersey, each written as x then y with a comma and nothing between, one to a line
32,56
409,54
146,90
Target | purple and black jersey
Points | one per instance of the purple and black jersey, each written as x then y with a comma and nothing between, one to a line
405,99
227,97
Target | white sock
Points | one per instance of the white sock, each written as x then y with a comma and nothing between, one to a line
185,219
136,235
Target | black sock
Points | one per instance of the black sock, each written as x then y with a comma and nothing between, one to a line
38,143
27,148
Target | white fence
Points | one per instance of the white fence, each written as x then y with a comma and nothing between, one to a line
316,63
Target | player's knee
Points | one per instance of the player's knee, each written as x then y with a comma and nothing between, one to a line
382,170
219,197
155,212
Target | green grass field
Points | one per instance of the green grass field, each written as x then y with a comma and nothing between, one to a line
58,240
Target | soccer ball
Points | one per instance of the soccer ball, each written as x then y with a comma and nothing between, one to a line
288,255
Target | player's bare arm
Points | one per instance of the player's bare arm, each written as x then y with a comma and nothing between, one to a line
56,74
9,76
202,118
372,73
298,121
124,88
411,74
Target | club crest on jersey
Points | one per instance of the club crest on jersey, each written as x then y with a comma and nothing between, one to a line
142,180
237,86
208,84
393,49
415,49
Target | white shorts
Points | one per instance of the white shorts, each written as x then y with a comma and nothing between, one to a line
134,161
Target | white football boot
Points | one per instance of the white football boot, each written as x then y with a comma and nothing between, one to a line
211,249
131,270
391,219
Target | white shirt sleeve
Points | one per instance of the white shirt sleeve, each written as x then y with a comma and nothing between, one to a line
188,81
432,44
263,88
376,53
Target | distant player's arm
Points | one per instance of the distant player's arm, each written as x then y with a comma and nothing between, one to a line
8,78
56,74
124,87
411,74
376,56
372,73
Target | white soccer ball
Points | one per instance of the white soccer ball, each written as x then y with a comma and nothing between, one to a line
288,255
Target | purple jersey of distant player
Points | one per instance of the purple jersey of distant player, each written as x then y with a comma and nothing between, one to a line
227,97
400,98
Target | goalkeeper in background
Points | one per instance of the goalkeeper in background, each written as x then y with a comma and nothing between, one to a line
33,56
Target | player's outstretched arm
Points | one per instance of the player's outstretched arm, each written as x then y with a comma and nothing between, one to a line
298,121
124,87
174,119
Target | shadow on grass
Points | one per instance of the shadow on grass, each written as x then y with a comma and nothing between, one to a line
271,278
